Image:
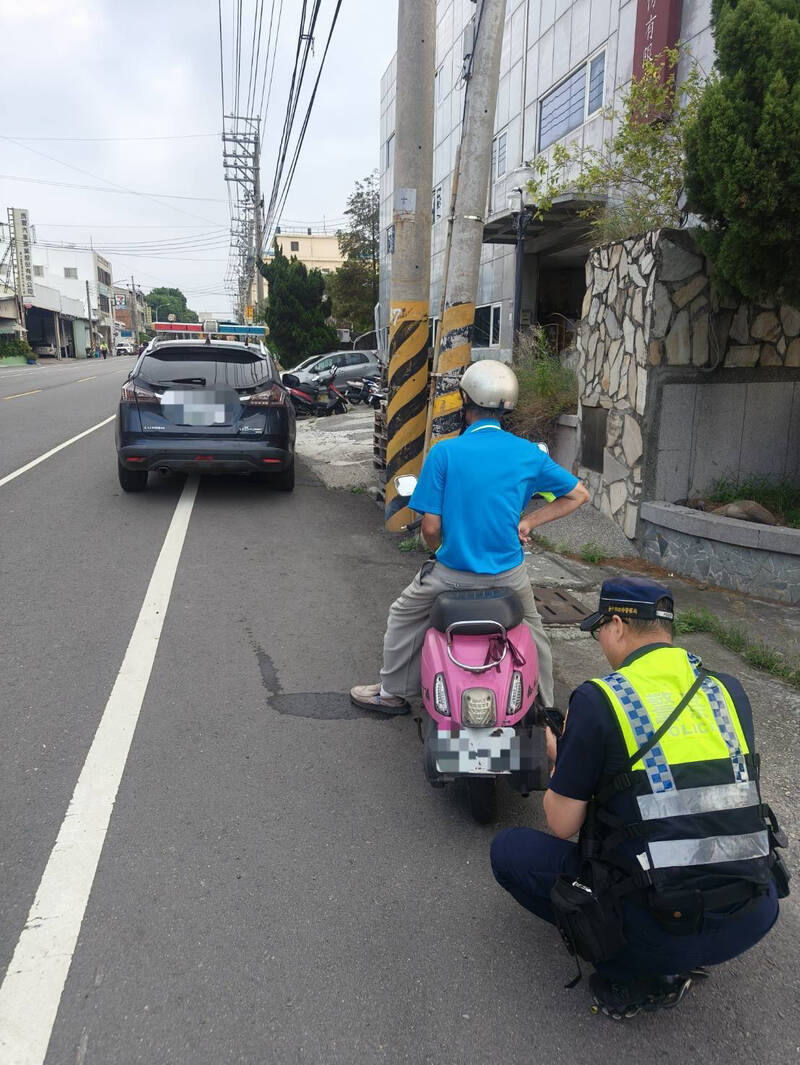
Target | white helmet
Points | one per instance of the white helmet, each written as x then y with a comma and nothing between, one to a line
492,384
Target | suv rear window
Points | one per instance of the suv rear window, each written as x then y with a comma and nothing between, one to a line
229,366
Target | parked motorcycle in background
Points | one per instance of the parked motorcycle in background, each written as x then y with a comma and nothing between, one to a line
366,390
320,398
479,683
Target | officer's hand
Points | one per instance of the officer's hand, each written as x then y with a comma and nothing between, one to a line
552,747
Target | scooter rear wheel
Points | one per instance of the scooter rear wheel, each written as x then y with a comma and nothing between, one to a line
482,799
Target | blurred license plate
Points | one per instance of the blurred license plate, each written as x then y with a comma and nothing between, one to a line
323,397
478,750
194,408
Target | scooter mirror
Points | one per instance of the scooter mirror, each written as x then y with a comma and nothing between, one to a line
543,447
405,485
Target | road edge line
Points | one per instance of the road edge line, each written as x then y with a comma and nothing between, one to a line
30,994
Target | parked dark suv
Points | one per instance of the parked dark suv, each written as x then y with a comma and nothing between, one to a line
210,407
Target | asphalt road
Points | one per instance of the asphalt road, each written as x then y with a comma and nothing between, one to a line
277,883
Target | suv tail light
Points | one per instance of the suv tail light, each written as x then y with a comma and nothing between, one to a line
133,392
265,397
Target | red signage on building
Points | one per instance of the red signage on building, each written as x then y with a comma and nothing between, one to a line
178,327
658,26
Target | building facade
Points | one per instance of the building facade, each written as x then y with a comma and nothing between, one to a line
80,275
56,318
563,63
132,314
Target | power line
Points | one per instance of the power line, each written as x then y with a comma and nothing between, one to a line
304,127
173,137
99,177
121,191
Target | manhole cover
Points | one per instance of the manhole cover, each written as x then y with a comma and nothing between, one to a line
559,608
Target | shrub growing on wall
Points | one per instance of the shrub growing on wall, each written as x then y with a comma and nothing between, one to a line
743,151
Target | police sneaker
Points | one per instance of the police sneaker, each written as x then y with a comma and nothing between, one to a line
647,993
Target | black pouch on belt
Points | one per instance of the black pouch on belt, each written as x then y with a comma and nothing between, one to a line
588,918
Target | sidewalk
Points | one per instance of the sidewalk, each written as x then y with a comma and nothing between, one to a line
339,447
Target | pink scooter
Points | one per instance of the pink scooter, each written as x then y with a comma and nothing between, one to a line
479,683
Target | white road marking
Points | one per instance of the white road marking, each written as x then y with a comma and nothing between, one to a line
53,451
33,985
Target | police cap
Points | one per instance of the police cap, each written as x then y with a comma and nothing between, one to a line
630,597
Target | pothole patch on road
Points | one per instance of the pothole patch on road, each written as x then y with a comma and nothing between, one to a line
322,706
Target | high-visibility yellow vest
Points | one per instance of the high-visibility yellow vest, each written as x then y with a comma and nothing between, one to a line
696,791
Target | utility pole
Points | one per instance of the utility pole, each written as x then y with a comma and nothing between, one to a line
241,159
259,226
410,247
89,312
134,313
454,344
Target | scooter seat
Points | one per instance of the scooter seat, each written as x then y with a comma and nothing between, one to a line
499,605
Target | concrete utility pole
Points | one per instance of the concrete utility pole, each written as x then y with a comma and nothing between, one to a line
410,247
454,346
259,222
134,314
89,313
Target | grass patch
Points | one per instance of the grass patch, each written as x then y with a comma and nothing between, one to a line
358,490
411,543
592,553
543,542
755,652
546,388
782,498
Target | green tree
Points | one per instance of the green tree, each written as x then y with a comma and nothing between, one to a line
636,178
743,151
295,310
166,301
352,293
360,242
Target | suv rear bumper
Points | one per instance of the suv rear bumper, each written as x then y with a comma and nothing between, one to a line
220,456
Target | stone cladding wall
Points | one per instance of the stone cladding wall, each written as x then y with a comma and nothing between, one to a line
649,305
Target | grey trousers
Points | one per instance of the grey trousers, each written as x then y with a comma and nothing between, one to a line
409,618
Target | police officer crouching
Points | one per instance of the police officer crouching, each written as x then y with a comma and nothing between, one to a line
675,867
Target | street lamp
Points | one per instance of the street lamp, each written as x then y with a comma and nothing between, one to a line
521,221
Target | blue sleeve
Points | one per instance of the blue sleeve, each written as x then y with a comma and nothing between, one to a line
548,476
428,497
582,749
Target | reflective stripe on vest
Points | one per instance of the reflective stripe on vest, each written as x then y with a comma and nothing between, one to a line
682,852
707,800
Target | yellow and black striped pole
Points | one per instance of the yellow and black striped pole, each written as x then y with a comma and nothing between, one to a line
453,355
406,415
410,251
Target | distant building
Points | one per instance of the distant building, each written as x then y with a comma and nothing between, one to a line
70,270
125,301
317,251
563,62
56,317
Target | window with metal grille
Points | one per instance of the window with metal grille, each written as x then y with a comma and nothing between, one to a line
569,104
295,245
71,272
38,271
499,155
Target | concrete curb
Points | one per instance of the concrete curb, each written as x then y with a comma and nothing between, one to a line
725,530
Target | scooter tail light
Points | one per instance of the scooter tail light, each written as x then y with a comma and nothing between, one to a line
266,397
478,708
440,699
515,694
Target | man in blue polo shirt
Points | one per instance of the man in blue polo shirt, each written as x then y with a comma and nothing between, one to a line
472,492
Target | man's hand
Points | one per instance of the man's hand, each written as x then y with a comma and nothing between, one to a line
559,508
432,530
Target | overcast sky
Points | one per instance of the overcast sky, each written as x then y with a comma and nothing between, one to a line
109,69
